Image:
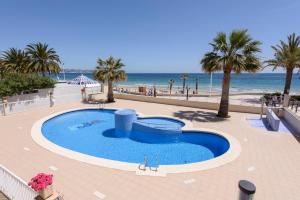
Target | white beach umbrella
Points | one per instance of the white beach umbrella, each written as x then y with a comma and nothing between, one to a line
82,80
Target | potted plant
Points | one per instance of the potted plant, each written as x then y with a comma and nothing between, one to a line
42,183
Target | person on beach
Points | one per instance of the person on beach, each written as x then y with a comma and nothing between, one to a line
274,101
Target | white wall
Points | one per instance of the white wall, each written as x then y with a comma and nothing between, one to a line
62,93
292,119
193,104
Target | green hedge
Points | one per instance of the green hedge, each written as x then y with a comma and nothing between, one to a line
269,96
16,83
295,97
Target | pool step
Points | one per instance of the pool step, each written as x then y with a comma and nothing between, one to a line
144,132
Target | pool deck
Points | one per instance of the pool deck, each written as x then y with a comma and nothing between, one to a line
270,160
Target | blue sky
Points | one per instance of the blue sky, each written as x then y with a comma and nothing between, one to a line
149,35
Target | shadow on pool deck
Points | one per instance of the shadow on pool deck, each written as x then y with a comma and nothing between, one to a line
199,116
283,127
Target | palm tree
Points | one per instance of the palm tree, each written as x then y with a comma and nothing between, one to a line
287,55
171,83
237,54
42,59
2,69
14,60
110,70
184,77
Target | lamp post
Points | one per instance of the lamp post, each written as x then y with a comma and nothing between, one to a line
64,71
187,92
210,87
197,85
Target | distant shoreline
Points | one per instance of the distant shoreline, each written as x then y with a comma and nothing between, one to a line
245,82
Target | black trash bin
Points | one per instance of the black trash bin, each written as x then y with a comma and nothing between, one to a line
247,190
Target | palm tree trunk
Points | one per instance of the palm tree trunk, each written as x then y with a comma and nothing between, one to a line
183,85
110,94
288,80
224,104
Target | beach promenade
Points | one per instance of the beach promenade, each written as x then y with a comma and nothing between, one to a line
242,99
270,160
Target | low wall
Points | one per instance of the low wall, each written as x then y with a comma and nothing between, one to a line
62,93
41,94
292,119
192,104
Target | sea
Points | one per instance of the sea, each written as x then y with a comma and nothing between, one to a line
245,82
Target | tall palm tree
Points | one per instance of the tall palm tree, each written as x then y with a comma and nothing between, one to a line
184,77
236,53
14,60
171,83
43,59
287,55
110,70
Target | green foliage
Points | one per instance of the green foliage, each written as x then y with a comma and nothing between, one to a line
14,60
268,96
15,83
109,70
236,52
43,59
286,54
36,58
295,97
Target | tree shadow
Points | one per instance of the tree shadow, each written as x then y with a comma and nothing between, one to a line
251,100
293,131
199,116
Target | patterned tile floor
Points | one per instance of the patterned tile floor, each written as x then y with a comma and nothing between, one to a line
271,161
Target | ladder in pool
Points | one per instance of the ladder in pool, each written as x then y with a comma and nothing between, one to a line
143,166
101,104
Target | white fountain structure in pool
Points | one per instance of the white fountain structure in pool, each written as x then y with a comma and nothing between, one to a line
127,124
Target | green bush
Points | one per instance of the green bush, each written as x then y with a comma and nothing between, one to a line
295,97
16,83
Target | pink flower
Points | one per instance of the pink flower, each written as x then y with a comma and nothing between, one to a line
40,181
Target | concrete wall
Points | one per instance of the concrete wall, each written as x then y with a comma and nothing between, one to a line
292,119
62,93
42,93
193,104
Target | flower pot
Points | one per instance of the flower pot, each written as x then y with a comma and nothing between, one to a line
46,192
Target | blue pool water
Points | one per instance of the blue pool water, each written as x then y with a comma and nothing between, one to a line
91,132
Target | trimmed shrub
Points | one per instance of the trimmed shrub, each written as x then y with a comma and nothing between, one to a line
295,97
15,83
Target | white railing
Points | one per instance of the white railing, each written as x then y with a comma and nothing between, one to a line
14,187
20,106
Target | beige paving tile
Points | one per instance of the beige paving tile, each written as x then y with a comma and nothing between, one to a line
276,158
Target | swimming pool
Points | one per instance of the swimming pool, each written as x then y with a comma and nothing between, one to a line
92,132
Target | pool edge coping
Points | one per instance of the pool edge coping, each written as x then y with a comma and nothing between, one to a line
231,154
